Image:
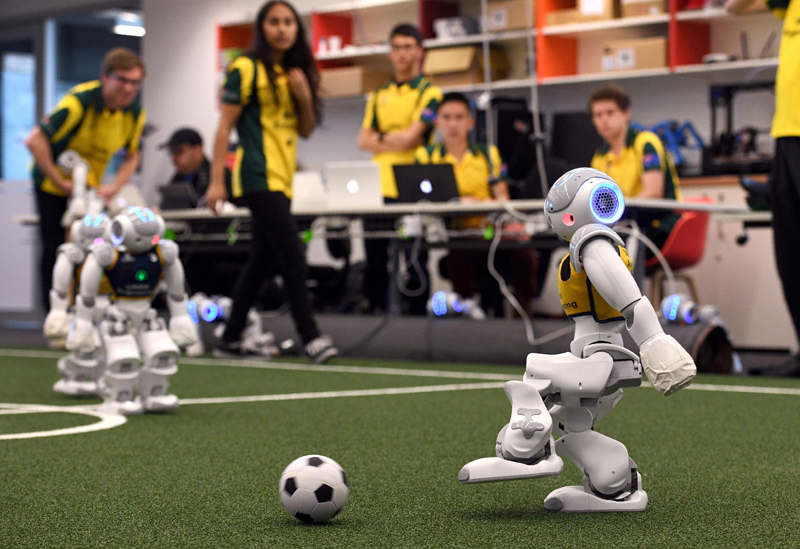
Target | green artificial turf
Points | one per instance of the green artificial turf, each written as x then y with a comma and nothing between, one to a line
720,469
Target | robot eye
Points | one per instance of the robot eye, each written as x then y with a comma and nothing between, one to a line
568,219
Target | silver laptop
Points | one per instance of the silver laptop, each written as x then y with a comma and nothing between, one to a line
308,193
353,185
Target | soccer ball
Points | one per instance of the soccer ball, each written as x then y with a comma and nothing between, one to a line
313,488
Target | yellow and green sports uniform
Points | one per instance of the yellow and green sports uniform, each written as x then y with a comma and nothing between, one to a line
580,298
643,152
479,165
266,157
81,123
395,107
786,122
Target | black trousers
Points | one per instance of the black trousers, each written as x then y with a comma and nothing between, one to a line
376,276
275,248
52,234
785,185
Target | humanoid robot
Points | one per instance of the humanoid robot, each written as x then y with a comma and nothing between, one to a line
79,371
140,353
567,394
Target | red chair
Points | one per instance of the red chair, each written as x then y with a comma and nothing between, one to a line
684,248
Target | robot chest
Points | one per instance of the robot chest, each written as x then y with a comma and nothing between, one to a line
578,296
135,276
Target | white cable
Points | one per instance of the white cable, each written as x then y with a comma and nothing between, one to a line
413,262
671,285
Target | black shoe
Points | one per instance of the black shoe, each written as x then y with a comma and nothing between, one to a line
321,349
235,349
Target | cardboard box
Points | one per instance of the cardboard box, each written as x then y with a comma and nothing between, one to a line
588,10
509,15
599,9
641,53
463,65
640,8
350,81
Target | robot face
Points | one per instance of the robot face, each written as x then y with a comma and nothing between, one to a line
92,229
582,197
138,229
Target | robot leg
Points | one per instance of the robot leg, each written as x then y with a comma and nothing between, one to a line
79,374
160,362
611,481
524,447
123,362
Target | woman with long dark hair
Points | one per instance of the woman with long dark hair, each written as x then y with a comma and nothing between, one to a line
271,96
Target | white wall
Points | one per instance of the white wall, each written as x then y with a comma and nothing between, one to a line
18,10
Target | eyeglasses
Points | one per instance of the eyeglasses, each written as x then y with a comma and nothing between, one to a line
125,81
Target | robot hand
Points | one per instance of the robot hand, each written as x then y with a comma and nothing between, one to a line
82,336
182,331
56,325
667,364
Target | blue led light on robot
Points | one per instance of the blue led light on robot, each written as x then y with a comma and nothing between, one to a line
87,221
457,307
191,307
688,317
145,215
671,307
210,312
116,240
439,303
94,222
620,203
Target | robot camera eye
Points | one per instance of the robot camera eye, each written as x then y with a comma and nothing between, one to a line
568,219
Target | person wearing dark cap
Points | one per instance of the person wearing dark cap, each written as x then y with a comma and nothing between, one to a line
192,168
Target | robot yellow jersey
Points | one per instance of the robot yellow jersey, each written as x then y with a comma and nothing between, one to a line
135,276
579,297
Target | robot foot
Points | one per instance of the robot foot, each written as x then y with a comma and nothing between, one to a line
125,408
163,403
76,388
575,499
497,469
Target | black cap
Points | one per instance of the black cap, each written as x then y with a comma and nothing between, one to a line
182,136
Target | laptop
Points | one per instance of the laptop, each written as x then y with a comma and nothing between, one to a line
353,185
308,192
178,196
425,182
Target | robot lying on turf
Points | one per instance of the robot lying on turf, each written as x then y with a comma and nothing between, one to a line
570,392
131,333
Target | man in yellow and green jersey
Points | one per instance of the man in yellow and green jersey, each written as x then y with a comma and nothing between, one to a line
480,177
95,119
636,160
398,118
785,177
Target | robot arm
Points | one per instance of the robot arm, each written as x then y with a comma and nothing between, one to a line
181,328
82,336
56,325
667,364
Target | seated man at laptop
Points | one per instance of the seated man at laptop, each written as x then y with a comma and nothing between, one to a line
192,170
480,174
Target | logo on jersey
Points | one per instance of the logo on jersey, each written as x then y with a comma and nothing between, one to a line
651,161
153,257
127,258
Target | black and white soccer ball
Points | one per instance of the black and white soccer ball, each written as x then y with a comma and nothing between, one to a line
313,488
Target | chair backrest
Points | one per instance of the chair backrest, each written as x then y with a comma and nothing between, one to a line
687,240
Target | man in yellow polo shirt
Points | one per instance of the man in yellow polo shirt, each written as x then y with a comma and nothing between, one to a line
636,160
480,177
785,177
398,118
95,119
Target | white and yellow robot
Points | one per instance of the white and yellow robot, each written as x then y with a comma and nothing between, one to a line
567,394
79,370
140,352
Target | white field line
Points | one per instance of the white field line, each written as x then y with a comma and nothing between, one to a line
107,421
267,365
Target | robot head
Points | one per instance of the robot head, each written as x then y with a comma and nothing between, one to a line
580,197
92,229
138,229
